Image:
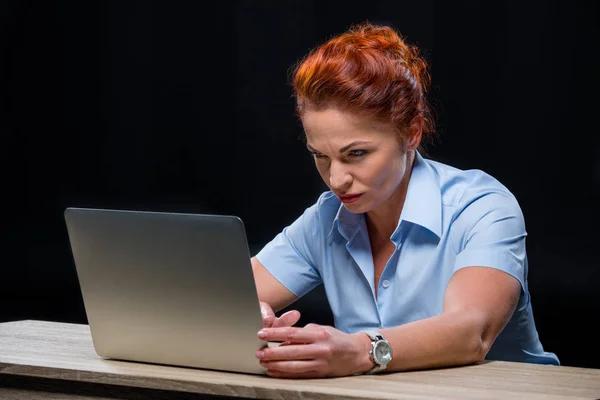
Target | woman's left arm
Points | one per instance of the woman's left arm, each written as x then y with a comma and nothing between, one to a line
478,303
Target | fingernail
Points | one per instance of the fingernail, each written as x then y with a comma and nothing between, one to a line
262,334
260,354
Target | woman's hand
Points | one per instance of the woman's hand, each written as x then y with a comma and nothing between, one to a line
314,351
271,321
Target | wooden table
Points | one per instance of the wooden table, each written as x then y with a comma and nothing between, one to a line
49,360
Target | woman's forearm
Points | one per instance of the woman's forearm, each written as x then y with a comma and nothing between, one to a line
449,339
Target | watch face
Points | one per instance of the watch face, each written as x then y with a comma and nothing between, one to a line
382,353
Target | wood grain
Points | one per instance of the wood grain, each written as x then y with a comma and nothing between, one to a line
23,394
31,387
64,353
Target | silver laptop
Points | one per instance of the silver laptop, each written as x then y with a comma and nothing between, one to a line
167,288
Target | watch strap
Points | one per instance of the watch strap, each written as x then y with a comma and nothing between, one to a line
374,335
377,368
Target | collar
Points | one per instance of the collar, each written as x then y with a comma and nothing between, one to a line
422,206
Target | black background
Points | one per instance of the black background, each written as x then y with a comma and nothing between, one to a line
185,106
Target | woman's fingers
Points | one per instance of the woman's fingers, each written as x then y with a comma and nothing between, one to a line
268,316
290,318
313,351
293,369
294,352
293,334
270,320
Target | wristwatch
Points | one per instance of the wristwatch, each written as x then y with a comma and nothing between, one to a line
380,353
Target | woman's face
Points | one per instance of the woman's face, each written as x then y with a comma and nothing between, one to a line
361,162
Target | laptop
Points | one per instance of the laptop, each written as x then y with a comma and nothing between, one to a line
167,288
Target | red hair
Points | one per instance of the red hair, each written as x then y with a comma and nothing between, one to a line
368,70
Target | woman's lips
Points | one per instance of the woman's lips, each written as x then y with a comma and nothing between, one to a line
350,198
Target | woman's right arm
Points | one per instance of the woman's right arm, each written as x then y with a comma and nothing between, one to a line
273,296
292,271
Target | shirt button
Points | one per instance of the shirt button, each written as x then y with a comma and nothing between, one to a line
385,283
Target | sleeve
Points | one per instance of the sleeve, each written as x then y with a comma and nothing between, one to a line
493,235
289,257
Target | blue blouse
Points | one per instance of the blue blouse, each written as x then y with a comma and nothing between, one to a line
451,219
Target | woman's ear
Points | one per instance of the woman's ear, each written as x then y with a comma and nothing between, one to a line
415,134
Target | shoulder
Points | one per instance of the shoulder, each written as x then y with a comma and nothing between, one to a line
461,188
474,201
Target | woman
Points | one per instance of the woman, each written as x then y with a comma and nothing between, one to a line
429,260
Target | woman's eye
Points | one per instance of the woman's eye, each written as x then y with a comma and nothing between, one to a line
317,155
357,153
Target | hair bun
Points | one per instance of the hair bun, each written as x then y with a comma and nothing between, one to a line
366,36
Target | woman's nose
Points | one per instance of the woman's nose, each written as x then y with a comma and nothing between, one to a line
339,178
